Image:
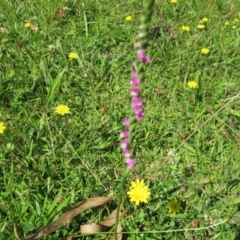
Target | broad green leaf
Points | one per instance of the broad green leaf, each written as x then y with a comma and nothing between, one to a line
54,87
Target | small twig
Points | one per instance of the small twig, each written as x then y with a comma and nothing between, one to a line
15,232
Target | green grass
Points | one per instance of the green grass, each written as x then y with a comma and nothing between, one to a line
50,162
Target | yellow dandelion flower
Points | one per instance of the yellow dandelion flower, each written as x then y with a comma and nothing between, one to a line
226,23
200,26
62,109
129,18
192,84
27,25
186,28
204,19
2,127
236,20
174,1
73,55
205,51
138,192
234,27
174,206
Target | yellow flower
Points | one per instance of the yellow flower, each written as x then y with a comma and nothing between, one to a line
2,127
174,206
192,84
234,27
73,55
138,192
27,25
205,51
186,28
62,109
129,18
236,20
204,19
226,23
200,26
173,1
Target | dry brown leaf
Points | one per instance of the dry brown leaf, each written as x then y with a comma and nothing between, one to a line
67,216
111,219
194,223
119,230
93,228
22,44
33,27
104,225
4,30
60,13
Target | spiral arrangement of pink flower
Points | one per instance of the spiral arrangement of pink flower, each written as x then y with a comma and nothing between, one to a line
138,191
137,78
137,107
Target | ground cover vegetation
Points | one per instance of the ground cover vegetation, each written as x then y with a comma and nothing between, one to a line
64,92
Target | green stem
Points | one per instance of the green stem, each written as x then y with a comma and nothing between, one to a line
121,189
143,39
143,35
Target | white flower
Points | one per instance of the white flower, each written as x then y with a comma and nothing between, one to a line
10,146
